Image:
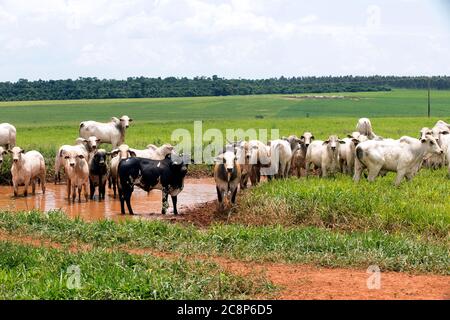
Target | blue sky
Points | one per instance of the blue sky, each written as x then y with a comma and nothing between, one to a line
59,39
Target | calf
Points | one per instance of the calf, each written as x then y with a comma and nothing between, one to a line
98,173
298,162
324,155
7,135
432,161
166,175
280,159
112,132
364,127
227,175
27,168
123,152
402,156
84,146
77,171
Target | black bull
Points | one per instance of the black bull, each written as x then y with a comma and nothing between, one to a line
166,175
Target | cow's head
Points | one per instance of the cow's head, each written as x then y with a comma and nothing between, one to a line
92,143
17,154
307,138
72,157
228,158
423,134
123,151
333,143
432,145
2,153
99,157
125,121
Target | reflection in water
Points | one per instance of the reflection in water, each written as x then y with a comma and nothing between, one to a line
145,205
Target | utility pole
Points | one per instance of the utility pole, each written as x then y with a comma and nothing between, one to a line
429,97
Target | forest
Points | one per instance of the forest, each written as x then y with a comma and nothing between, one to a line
142,87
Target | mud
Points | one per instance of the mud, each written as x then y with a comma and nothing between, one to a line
196,192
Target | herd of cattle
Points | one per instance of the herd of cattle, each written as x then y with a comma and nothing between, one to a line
85,164
361,150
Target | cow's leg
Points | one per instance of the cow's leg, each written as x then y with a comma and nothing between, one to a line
25,188
174,202
85,187
220,198
15,188
122,201
233,196
128,201
373,173
114,184
74,193
358,170
399,177
92,188
69,188
33,186
102,189
165,202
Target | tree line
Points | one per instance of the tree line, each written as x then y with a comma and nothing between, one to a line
142,87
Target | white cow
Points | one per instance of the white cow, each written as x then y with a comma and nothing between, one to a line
227,175
402,156
324,155
280,159
153,152
112,132
7,135
27,168
445,146
3,152
77,171
84,146
364,126
123,152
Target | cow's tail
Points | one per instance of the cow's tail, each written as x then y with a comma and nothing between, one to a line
359,153
81,125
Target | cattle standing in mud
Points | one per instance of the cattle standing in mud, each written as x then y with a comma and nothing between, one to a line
166,175
83,146
98,174
77,171
227,175
112,132
123,152
27,168
402,156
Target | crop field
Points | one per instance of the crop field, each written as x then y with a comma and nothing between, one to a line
300,228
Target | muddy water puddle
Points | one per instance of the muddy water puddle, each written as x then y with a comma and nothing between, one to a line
195,192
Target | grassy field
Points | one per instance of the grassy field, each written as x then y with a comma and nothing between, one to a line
327,222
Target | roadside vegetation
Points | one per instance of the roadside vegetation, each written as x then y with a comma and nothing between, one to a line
41,273
323,247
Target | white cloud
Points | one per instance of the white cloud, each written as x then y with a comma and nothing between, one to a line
232,38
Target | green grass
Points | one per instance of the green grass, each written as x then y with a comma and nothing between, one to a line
400,252
46,125
420,207
42,273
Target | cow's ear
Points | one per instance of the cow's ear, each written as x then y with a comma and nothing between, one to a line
445,132
131,120
312,138
349,136
10,151
80,156
5,152
22,151
98,140
355,141
114,152
341,141
326,142
114,119
61,153
132,153
302,137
